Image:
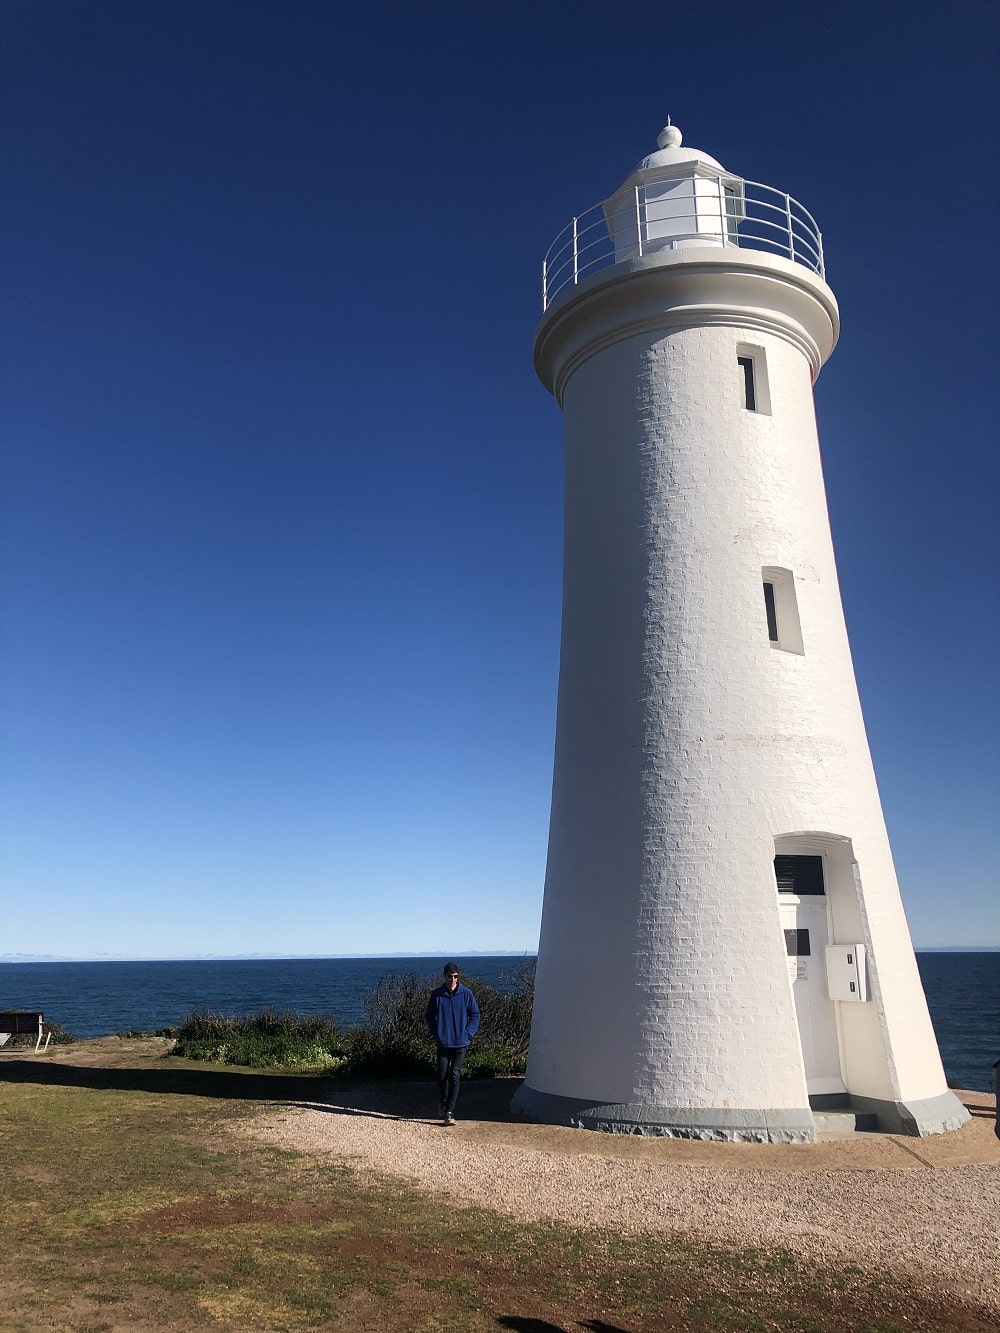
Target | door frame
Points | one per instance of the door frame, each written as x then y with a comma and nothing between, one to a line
802,844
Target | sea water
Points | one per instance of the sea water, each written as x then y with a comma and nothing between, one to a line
97,999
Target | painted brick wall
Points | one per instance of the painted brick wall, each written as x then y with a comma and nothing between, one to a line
686,744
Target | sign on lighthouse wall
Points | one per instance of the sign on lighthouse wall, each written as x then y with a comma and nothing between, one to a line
719,874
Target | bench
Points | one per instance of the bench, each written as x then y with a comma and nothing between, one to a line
17,1022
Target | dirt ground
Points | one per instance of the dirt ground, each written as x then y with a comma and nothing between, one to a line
539,1173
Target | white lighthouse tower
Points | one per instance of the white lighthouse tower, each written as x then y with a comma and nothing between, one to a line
723,947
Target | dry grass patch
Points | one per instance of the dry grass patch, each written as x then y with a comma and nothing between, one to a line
131,1201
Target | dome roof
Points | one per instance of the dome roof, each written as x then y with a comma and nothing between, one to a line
669,152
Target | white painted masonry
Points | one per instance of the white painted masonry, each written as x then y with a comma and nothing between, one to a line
689,749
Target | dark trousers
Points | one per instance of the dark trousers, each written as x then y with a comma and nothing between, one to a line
449,1075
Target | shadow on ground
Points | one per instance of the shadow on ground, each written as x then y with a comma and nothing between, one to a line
481,1099
982,1111
486,1099
144,1066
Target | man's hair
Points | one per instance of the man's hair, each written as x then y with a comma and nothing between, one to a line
448,967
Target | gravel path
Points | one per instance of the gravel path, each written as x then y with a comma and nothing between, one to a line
937,1224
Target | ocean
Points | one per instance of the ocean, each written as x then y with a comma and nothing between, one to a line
97,999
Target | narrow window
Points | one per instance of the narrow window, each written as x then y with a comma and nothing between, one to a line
781,610
749,386
751,367
802,875
772,619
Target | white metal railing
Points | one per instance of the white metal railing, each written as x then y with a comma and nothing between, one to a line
723,211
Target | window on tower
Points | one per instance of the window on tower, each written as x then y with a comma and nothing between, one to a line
802,875
781,610
751,365
749,388
772,619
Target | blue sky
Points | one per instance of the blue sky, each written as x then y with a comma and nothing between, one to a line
281,496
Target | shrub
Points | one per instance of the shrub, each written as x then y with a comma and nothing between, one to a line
60,1037
492,1061
261,1041
393,1042
506,1022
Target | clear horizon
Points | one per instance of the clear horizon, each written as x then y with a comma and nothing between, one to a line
436,953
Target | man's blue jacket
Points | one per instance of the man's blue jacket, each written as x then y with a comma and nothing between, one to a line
452,1016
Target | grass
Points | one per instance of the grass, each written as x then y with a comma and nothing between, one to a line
130,1199
265,1040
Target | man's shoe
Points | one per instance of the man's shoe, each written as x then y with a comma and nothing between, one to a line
449,1120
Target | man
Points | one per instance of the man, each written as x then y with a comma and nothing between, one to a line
453,1020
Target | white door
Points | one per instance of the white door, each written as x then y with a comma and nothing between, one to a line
806,937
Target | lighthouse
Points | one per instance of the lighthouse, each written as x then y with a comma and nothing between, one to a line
723,949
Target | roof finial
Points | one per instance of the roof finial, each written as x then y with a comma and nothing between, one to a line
669,136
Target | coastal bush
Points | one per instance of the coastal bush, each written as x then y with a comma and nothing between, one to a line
392,1040
506,1013
60,1037
266,1040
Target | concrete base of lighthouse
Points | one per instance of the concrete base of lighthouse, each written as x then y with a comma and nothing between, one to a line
723,1125
918,1118
931,1115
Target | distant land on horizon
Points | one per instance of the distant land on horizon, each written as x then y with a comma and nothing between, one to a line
426,953
251,957
956,948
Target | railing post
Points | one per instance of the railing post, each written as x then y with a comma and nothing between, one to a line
545,285
576,256
791,234
723,225
822,264
638,220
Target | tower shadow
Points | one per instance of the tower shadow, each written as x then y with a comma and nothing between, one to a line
403,1099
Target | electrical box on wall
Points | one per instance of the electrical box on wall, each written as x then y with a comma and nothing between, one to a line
846,973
